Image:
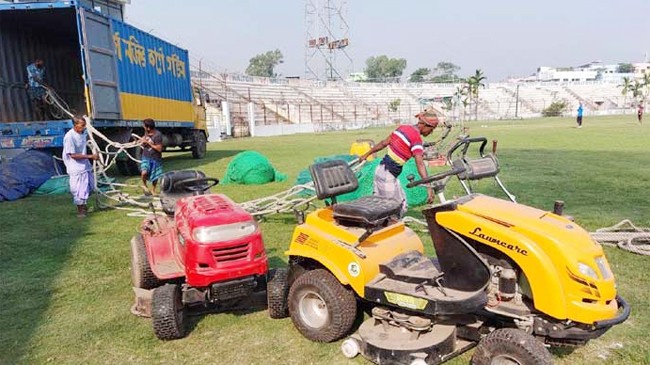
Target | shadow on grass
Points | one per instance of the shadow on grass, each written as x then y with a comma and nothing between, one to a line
38,237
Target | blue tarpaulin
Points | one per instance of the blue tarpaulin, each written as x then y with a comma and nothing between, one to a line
25,173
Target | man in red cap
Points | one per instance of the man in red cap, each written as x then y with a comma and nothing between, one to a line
403,143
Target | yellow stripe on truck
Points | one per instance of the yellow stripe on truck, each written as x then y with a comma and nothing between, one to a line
138,107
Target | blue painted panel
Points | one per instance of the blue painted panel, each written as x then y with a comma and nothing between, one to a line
150,66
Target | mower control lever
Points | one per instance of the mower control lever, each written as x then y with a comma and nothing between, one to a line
436,177
465,144
196,185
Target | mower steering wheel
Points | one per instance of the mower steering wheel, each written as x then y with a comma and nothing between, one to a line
194,185
436,177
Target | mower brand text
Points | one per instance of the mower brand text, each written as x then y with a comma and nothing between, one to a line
477,233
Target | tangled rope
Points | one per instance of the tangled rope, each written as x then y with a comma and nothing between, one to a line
624,235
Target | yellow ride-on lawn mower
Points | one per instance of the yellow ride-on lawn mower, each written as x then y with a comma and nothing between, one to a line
509,279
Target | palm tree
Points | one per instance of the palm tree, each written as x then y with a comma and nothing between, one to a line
475,82
636,89
626,86
646,84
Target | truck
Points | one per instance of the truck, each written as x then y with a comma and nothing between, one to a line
101,67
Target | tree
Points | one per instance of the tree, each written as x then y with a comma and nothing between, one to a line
626,87
625,68
556,108
264,64
445,73
474,83
419,74
382,68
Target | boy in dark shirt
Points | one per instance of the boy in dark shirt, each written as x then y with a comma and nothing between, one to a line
151,166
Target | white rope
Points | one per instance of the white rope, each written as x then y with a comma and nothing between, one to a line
624,235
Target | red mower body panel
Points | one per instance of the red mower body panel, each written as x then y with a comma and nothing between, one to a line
210,239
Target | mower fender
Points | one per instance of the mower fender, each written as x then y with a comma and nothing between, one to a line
161,251
327,263
539,269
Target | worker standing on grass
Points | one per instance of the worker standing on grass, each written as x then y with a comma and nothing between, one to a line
579,118
77,164
639,113
403,143
152,146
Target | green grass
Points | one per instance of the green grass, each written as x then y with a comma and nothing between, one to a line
65,289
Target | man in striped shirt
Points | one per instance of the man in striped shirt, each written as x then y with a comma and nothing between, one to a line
403,143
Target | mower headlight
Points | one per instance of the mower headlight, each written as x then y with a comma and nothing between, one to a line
226,232
603,267
586,270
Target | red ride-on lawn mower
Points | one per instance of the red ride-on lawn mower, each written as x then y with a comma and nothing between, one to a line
206,251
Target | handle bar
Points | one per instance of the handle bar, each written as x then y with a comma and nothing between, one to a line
436,177
465,144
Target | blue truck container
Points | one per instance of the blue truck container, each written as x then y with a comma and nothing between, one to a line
102,67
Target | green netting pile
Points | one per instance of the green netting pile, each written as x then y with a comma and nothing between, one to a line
58,185
251,168
414,196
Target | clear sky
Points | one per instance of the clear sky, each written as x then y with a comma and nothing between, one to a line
501,37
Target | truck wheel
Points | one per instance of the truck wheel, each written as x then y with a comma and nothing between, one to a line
511,346
199,145
168,312
321,308
141,274
277,288
128,167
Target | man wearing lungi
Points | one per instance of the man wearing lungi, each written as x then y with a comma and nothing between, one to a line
152,146
405,142
77,164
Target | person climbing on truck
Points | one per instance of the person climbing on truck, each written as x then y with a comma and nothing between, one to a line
152,145
35,88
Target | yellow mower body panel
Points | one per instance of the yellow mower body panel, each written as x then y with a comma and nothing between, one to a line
323,240
548,249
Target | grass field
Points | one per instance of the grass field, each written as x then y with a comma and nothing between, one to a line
65,288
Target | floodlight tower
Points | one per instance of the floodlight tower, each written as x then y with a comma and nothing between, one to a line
326,40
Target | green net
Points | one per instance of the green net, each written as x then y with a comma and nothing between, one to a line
251,168
414,196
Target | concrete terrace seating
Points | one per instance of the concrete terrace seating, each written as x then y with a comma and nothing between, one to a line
288,101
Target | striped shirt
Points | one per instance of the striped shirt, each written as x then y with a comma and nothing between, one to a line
405,142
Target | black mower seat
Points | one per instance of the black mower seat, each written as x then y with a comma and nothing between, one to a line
170,192
368,210
335,177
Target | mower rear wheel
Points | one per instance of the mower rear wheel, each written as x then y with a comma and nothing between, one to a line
141,274
321,308
168,312
277,289
510,346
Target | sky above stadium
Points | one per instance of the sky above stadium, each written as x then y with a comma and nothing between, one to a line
503,38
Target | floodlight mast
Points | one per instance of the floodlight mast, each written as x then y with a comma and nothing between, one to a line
327,38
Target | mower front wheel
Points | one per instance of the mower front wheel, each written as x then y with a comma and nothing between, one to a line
141,274
277,289
511,346
168,312
321,308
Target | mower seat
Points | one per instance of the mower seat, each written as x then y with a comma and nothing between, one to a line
169,194
333,178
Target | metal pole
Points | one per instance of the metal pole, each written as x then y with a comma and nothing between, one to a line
517,102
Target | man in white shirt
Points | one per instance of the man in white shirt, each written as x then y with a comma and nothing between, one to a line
77,164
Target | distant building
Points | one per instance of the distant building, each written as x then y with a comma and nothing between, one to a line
593,71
